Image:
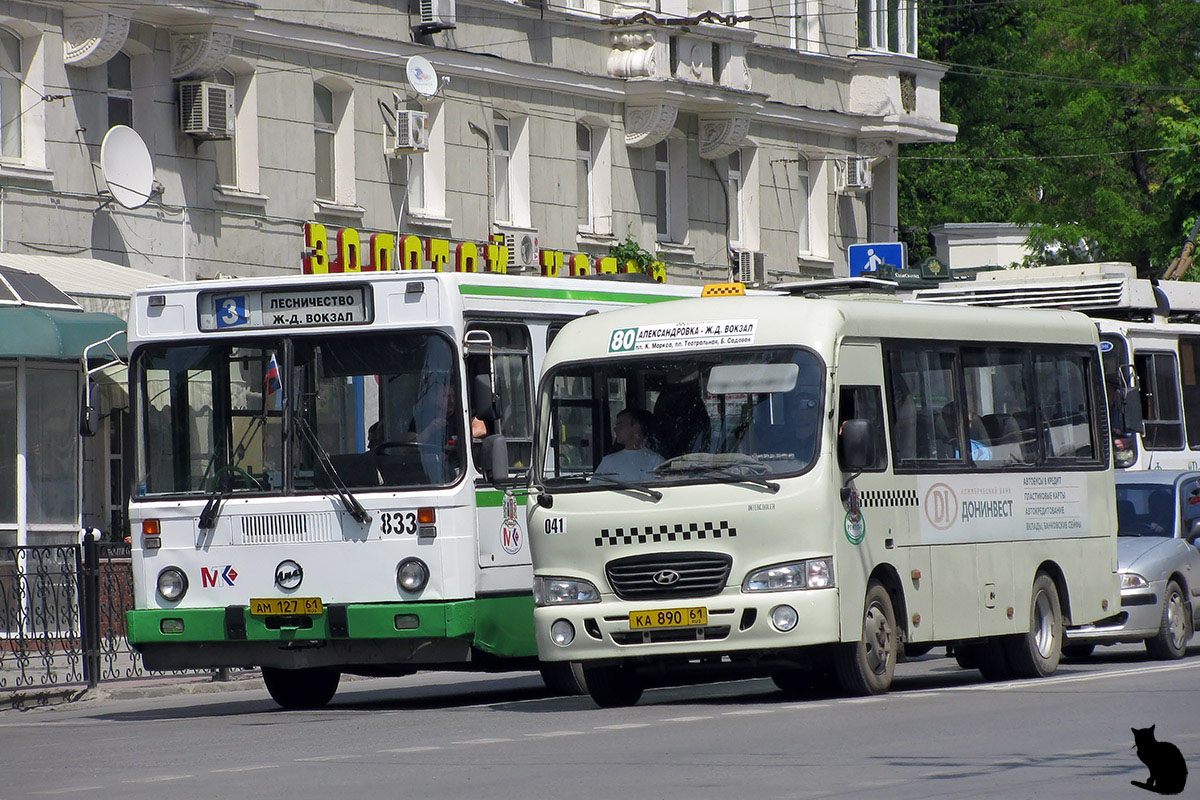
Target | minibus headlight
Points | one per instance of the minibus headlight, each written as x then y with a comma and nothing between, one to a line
813,573
563,591
172,584
412,574
1131,580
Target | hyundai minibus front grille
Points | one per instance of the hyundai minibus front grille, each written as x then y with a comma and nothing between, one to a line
663,575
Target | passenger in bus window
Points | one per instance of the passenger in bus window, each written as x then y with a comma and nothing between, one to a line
635,461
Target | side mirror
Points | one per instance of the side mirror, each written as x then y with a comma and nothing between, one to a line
89,409
1131,411
1193,531
856,445
494,452
483,398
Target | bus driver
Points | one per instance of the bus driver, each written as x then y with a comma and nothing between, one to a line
635,461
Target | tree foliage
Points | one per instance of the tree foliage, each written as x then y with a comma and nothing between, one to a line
1075,118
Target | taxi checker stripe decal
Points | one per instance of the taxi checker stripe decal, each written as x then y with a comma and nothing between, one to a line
888,498
679,532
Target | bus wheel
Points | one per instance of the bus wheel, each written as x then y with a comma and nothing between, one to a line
1175,630
613,686
1036,654
867,666
990,657
301,688
563,677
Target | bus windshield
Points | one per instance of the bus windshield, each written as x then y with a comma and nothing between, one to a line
370,412
725,416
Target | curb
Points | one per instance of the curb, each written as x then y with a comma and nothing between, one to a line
123,690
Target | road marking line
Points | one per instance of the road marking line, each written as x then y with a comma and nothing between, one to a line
416,749
485,741
70,790
747,712
552,734
344,757
159,779
247,769
623,726
684,719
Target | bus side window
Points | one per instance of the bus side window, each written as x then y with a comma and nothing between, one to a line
513,385
1158,373
866,402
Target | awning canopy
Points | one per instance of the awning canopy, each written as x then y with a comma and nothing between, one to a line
84,277
27,332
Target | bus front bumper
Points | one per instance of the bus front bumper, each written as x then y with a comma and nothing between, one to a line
738,623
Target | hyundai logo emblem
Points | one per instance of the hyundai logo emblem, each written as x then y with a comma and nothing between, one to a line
666,577
288,575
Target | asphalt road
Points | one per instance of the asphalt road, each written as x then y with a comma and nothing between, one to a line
941,733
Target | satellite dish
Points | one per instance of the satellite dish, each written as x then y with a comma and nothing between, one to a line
126,166
422,76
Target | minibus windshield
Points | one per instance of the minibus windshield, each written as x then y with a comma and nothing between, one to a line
728,416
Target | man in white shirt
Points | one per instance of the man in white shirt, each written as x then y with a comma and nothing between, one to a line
636,461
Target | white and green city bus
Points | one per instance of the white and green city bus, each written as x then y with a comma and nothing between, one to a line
323,466
828,480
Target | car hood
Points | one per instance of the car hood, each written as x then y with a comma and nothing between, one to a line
1138,552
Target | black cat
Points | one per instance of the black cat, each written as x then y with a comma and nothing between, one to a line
1168,772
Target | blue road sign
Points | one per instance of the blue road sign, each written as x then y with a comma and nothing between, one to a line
865,258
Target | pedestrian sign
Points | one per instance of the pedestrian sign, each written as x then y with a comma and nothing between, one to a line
870,259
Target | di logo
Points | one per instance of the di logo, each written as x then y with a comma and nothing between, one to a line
941,506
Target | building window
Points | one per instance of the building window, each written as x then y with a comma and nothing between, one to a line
889,25
805,21
803,204
237,158
52,457
583,176
120,90
12,76
324,131
8,450
662,190
501,166
736,198
224,149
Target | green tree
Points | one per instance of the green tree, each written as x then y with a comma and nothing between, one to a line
1091,102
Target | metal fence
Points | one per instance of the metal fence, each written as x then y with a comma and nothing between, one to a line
62,615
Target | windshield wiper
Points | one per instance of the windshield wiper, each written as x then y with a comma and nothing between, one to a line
729,476
729,467
353,507
633,487
224,475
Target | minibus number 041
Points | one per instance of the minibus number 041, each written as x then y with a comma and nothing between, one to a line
623,339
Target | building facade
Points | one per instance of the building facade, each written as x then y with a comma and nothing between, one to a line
705,135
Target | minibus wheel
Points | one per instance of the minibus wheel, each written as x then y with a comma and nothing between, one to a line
613,686
868,665
563,677
1036,654
301,688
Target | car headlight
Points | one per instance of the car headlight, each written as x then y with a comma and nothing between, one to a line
412,574
557,591
172,584
813,573
1131,580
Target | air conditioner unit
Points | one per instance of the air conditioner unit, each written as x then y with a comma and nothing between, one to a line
206,109
436,15
751,267
522,249
412,132
856,174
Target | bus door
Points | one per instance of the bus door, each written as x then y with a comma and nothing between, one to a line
501,350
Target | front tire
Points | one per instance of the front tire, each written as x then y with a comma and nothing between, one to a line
301,688
867,666
613,686
1176,627
1036,654
563,678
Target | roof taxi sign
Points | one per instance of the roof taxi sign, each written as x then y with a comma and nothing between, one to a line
344,253
228,309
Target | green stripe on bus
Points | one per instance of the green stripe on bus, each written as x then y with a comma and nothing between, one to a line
562,294
495,499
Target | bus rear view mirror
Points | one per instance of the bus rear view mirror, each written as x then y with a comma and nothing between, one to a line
1131,411
494,452
89,409
856,445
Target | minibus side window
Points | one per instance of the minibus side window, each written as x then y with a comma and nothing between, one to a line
925,413
1063,399
865,402
1160,400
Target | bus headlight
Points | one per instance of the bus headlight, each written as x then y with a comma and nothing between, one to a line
412,574
562,632
1131,580
813,573
560,591
784,618
172,584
